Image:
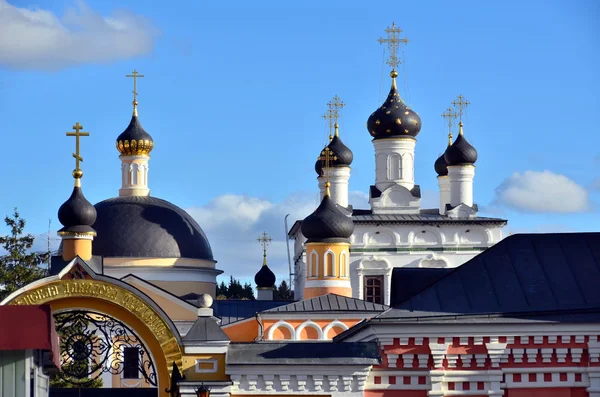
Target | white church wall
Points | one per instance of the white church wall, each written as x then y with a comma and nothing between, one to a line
377,249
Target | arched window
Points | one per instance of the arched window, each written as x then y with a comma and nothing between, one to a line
329,264
313,265
343,263
394,167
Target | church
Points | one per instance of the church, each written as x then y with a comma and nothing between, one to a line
395,231
395,300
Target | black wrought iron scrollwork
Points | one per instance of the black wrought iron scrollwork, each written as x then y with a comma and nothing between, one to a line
93,343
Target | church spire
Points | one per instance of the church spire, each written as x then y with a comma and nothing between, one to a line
77,215
134,144
265,278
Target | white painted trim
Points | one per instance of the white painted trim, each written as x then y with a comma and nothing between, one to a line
387,331
314,258
284,324
205,349
205,275
327,283
213,370
308,323
334,323
333,264
117,262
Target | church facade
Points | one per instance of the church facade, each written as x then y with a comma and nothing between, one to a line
395,231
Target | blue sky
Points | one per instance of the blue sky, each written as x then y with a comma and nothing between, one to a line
234,93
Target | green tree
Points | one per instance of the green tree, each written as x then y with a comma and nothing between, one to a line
19,266
283,292
248,292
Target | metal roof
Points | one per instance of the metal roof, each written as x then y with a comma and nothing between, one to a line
303,353
329,302
205,329
524,273
424,215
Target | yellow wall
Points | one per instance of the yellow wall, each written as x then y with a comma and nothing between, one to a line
174,311
242,331
189,367
320,249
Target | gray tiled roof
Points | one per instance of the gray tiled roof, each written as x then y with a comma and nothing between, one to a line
205,329
329,302
524,273
424,215
303,353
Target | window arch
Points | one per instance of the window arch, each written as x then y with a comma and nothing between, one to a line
343,264
313,265
329,264
394,166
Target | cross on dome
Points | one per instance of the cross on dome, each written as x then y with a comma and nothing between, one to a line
77,173
393,42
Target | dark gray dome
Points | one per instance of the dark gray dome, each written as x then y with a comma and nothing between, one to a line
327,224
394,118
461,152
148,227
264,278
77,215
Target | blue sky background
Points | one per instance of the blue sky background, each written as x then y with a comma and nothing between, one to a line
234,93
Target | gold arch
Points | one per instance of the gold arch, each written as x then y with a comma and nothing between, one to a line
119,303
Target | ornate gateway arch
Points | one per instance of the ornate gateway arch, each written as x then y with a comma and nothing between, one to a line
78,289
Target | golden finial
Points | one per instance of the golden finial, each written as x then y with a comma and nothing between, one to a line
333,114
327,156
264,240
135,76
450,116
77,173
393,42
460,104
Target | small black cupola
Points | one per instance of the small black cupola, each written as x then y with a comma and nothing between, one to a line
77,215
393,118
461,152
327,223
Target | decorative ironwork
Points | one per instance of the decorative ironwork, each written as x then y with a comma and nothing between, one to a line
92,344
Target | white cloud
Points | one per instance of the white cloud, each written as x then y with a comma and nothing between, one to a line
38,39
232,224
534,191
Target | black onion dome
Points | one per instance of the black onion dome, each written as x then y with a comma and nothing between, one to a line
343,154
461,152
393,118
77,215
327,224
135,140
265,278
440,165
148,227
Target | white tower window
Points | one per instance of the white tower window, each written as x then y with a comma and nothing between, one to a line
394,166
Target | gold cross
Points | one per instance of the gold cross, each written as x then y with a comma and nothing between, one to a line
460,104
264,240
327,156
333,113
77,127
450,116
135,76
393,42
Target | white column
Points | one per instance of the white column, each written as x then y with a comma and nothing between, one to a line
134,176
394,162
461,184
338,178
321,181
264,294
444,185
